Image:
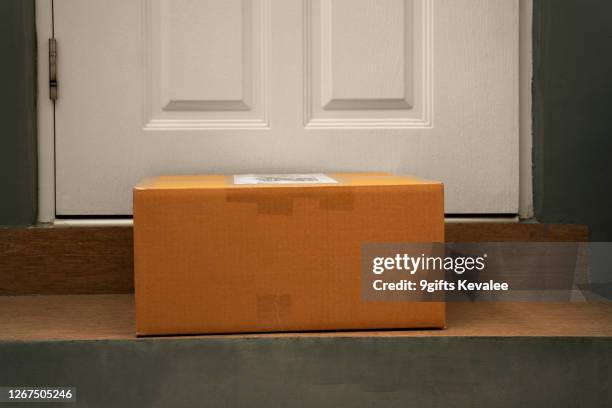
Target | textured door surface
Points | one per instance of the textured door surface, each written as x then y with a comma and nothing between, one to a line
150,87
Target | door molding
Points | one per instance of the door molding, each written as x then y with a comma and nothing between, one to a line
46,120
525,102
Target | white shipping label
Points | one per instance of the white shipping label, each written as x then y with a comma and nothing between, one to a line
283,179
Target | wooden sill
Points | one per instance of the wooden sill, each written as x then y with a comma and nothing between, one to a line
106,317
98,260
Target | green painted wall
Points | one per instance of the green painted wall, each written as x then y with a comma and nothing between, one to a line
18,144
573,113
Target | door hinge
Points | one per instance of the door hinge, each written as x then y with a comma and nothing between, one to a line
52,69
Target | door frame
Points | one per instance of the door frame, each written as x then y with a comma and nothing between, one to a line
46,122
46,116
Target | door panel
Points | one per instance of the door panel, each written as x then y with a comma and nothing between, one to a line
368,63
205,63
149,87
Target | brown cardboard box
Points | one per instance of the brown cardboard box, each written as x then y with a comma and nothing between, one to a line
215,257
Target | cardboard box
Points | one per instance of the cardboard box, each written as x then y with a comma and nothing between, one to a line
214,256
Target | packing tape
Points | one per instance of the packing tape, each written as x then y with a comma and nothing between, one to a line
278,201
273,310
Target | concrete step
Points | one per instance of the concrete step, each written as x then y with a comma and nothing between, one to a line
490,355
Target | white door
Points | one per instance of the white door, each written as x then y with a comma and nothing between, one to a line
150,87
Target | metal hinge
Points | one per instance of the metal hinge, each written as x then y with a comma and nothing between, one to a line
52,69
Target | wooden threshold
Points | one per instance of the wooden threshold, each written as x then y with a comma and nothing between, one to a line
98,260
106,317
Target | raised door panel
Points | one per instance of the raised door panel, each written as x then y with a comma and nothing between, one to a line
368,63
205,63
